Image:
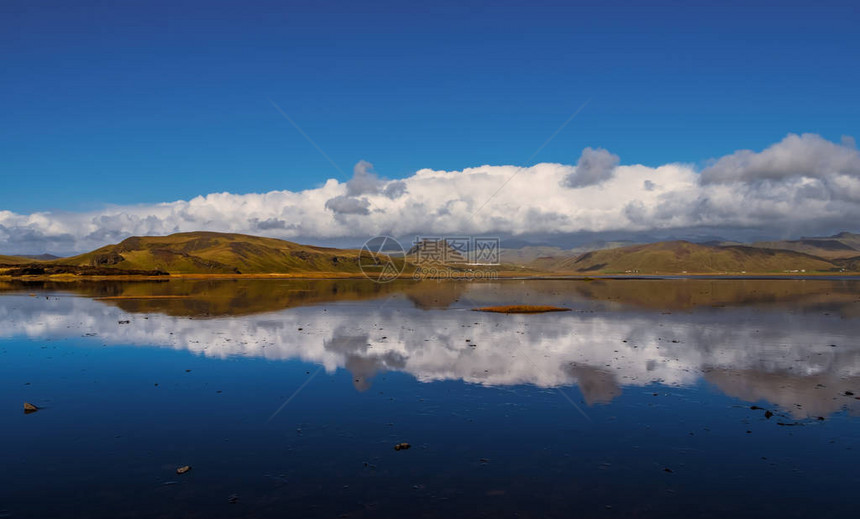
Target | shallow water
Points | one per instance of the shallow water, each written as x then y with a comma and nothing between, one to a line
652,398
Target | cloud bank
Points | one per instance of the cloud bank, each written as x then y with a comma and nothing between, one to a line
802,184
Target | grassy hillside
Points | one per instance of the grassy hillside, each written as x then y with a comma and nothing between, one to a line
849,264
14,260
531,253
676,257
842,245
226,254
218,253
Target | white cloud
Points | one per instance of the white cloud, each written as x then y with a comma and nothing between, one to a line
797,156
804,183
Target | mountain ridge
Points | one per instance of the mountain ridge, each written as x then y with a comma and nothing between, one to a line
683,257
216,253
841,245
231,254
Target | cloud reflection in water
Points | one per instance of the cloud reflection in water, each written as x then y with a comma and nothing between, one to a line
801,361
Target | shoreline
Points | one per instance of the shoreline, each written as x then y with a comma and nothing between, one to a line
515,276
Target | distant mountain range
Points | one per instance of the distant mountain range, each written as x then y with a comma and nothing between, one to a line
681,257
236,254
842,245
529,253
838,253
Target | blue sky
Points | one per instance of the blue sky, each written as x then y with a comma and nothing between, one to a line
142,102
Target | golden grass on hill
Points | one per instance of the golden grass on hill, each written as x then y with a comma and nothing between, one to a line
14,260
224,255
681,257
212,253
111,298
521,309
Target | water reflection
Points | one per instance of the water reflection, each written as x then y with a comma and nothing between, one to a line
217,298
791,343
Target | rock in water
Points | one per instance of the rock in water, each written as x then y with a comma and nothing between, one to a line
29,408
183,469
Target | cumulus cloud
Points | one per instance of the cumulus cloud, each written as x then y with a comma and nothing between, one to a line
797,156
395,189
364,181
348,205
268,224
803,184
595,166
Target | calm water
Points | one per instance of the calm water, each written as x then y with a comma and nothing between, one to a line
650,399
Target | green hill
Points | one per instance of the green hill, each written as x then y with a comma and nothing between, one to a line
222,253
842,245
218,253
14,260
849,264
531,253
676,257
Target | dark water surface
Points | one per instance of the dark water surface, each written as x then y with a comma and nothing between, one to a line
652,398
